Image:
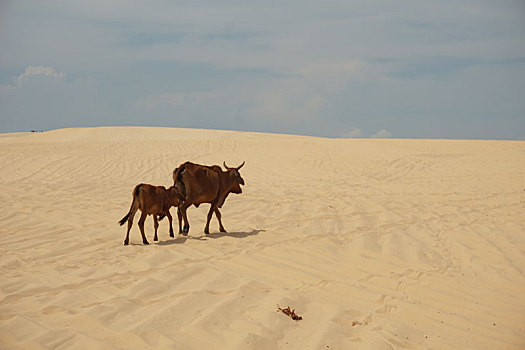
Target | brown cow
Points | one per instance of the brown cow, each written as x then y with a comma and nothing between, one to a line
205,184
151,200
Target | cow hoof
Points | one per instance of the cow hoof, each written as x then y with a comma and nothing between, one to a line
207,232
126,242
145,242
172,235
186,230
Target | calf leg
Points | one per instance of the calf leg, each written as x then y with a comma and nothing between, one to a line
156,225
130,223
218,215
141,226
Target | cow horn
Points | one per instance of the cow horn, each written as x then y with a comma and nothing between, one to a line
240,166
225,166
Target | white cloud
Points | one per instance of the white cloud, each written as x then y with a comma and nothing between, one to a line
382,134
33,102
29,73
32,71
352,133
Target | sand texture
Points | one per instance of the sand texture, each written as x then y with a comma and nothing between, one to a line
376,244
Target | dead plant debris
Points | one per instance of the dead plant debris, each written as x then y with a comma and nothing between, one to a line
289,312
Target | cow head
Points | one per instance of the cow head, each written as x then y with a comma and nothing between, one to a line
237,180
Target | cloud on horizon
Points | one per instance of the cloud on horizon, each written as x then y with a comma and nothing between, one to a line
381,134
39,70
352,133
42,99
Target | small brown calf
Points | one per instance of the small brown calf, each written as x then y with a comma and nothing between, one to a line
151,200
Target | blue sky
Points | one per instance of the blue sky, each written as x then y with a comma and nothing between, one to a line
408,69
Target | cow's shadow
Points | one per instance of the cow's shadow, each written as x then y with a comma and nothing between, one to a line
180,239
216,235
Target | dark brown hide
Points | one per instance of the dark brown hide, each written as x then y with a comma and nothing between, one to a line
205,184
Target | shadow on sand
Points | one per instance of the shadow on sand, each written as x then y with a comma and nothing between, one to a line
233,234
181,239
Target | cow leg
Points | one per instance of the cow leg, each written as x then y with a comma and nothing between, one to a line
218,215
168,214
130,223
141,226
179,216
183,209
156,225
213,207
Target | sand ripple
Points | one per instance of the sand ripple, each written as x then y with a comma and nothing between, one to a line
377,244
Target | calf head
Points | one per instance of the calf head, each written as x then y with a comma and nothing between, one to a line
174,196
235,178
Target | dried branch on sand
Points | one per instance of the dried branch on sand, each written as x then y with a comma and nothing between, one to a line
289,312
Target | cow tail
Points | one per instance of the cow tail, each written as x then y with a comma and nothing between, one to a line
134,202
177,173
177,181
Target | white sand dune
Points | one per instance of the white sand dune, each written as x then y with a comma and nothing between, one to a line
377,244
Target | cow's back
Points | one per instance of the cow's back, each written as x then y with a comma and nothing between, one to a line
201,183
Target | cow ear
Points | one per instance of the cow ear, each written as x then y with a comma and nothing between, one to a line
240,166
